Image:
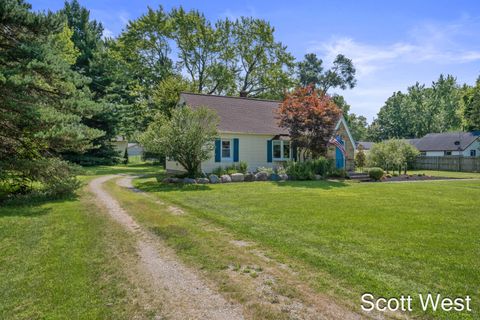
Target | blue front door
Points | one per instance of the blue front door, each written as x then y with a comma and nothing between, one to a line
339,160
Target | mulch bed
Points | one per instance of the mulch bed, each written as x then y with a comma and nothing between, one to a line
413,177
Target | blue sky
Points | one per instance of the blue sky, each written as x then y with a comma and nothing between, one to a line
392,45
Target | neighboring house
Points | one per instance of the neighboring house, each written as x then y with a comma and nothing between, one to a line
134,149
367,145
249,131
466,144
120,144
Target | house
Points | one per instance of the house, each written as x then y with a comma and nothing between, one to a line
366,145
249,131
466,144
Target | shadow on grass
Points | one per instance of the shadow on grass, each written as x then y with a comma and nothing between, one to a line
319,184
137,168
154,186
31,206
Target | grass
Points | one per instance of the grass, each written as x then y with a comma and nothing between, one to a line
62,259
447,174
387,239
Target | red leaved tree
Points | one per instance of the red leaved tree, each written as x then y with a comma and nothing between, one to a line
310,116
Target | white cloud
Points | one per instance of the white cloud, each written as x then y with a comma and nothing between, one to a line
107,33
430,42
249,11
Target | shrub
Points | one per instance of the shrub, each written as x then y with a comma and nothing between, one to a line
300,170
338,173
241,167
375,173
266,170
322,166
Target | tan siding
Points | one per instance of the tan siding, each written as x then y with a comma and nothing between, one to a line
252,149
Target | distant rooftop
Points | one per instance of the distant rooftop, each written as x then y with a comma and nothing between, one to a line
447,141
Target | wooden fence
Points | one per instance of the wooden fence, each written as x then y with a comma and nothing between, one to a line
448,163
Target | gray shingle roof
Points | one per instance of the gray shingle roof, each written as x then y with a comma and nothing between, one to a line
243,115
448,141
413,142
367,145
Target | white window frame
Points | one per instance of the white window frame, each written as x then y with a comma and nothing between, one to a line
231,149
282,145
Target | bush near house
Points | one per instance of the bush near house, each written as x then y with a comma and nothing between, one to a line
376,173
241,167
308,169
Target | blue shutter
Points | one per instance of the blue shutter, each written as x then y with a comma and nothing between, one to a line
269,151
294,152
235,149
218,150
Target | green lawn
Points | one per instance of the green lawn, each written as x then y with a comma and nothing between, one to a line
447,174
63,260
387,239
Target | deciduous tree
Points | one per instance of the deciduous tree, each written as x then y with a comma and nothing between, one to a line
187,136
310,117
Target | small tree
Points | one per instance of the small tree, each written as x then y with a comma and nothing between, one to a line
188,136
310,116
392,154
360,157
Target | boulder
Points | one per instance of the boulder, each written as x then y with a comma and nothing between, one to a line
283,176
225,178
261,176
237,177
171,180
214,178
318,177
202,180
189,181
249,177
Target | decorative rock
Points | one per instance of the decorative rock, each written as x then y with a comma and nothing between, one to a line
225,178
171,180
249,177
237,177
214,178
283,176
202,180
318,177
261,176
189,181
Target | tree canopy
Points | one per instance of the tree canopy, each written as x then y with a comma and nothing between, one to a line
43,101
186,137
310,117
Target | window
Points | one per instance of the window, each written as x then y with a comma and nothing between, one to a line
447,153
226,149
281,149
423,153
473,153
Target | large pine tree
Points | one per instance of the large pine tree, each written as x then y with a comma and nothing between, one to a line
43,102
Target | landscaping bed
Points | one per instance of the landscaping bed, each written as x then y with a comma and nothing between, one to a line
413,177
